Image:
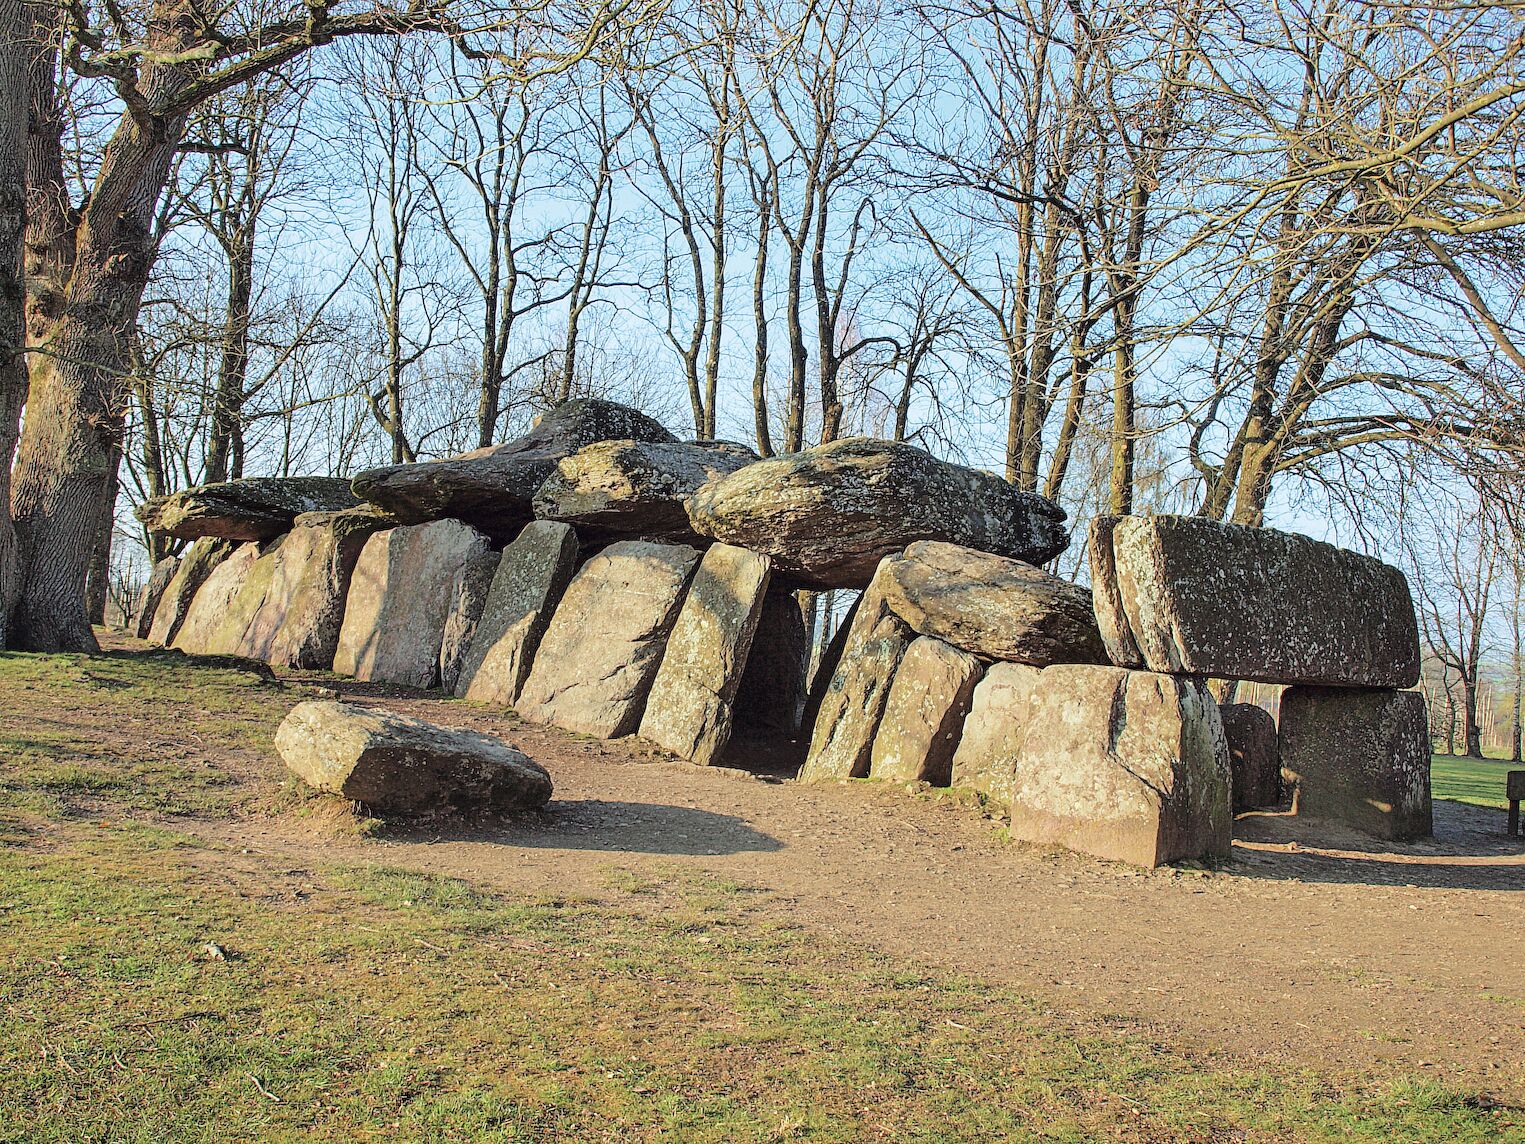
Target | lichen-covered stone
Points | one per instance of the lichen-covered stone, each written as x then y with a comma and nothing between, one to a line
468,598
771,696
689,710
196,565
1192,596
527,586
601,652
829,514
993,606
852,703
1359,757
985,759
1254,755
255,508
494,488
619,489
159,578
208,610
924,716
393,764
400,596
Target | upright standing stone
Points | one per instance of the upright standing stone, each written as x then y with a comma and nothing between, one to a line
527,586
203,619
468,597
238,631
853,702
301,628
771,695
153,590
924,716
599,656
1359,757
399,599
195,566
689,710
1191,596
1254,756
994,730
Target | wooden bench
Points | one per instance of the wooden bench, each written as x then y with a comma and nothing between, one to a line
1515,784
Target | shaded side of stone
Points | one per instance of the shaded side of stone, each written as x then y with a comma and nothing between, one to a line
152,592
1254,755
770,699
468,598
196,564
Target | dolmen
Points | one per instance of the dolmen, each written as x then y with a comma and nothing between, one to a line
602,576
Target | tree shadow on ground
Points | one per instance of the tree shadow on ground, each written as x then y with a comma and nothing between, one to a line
1469,851
597,824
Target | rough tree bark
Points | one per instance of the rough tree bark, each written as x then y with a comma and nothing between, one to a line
13,125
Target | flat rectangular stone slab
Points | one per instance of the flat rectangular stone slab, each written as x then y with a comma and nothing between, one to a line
1189,596
604,645
197,634
1361,758
400,596
689,711
924,716
1126,765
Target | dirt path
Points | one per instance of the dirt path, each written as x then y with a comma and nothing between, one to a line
1342,953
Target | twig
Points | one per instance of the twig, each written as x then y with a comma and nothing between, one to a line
265,1092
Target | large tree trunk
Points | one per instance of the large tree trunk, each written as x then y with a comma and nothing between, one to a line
13,130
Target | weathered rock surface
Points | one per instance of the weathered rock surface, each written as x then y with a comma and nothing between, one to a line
985,759
527,586
689,710
619,489
255,508
852,703
468,598
771,695
494,488
204,618
924,716
1192,596
601,652
1253,753
151,593
828,515
196,565
396,765
1358,757
400,596
993,606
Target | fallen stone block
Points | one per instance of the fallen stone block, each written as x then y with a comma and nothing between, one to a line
993,606
1254,755
924,716
255,508
1359,757
393,764
526,587
599,656
828,515
399,600
1192,596
689,710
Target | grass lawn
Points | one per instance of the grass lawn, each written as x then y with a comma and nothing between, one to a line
1478,781
155,987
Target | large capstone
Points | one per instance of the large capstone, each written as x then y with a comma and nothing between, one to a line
1192,596
993,606
1253,753
614,490
400,597
255,508
601,652
527,586
1359,757
494,488
852,701
392,764
689,711
195,566
198,634
924,715
147,603
828,515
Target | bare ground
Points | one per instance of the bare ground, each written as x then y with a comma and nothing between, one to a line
1314,945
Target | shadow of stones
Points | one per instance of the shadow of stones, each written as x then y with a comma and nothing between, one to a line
599,825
